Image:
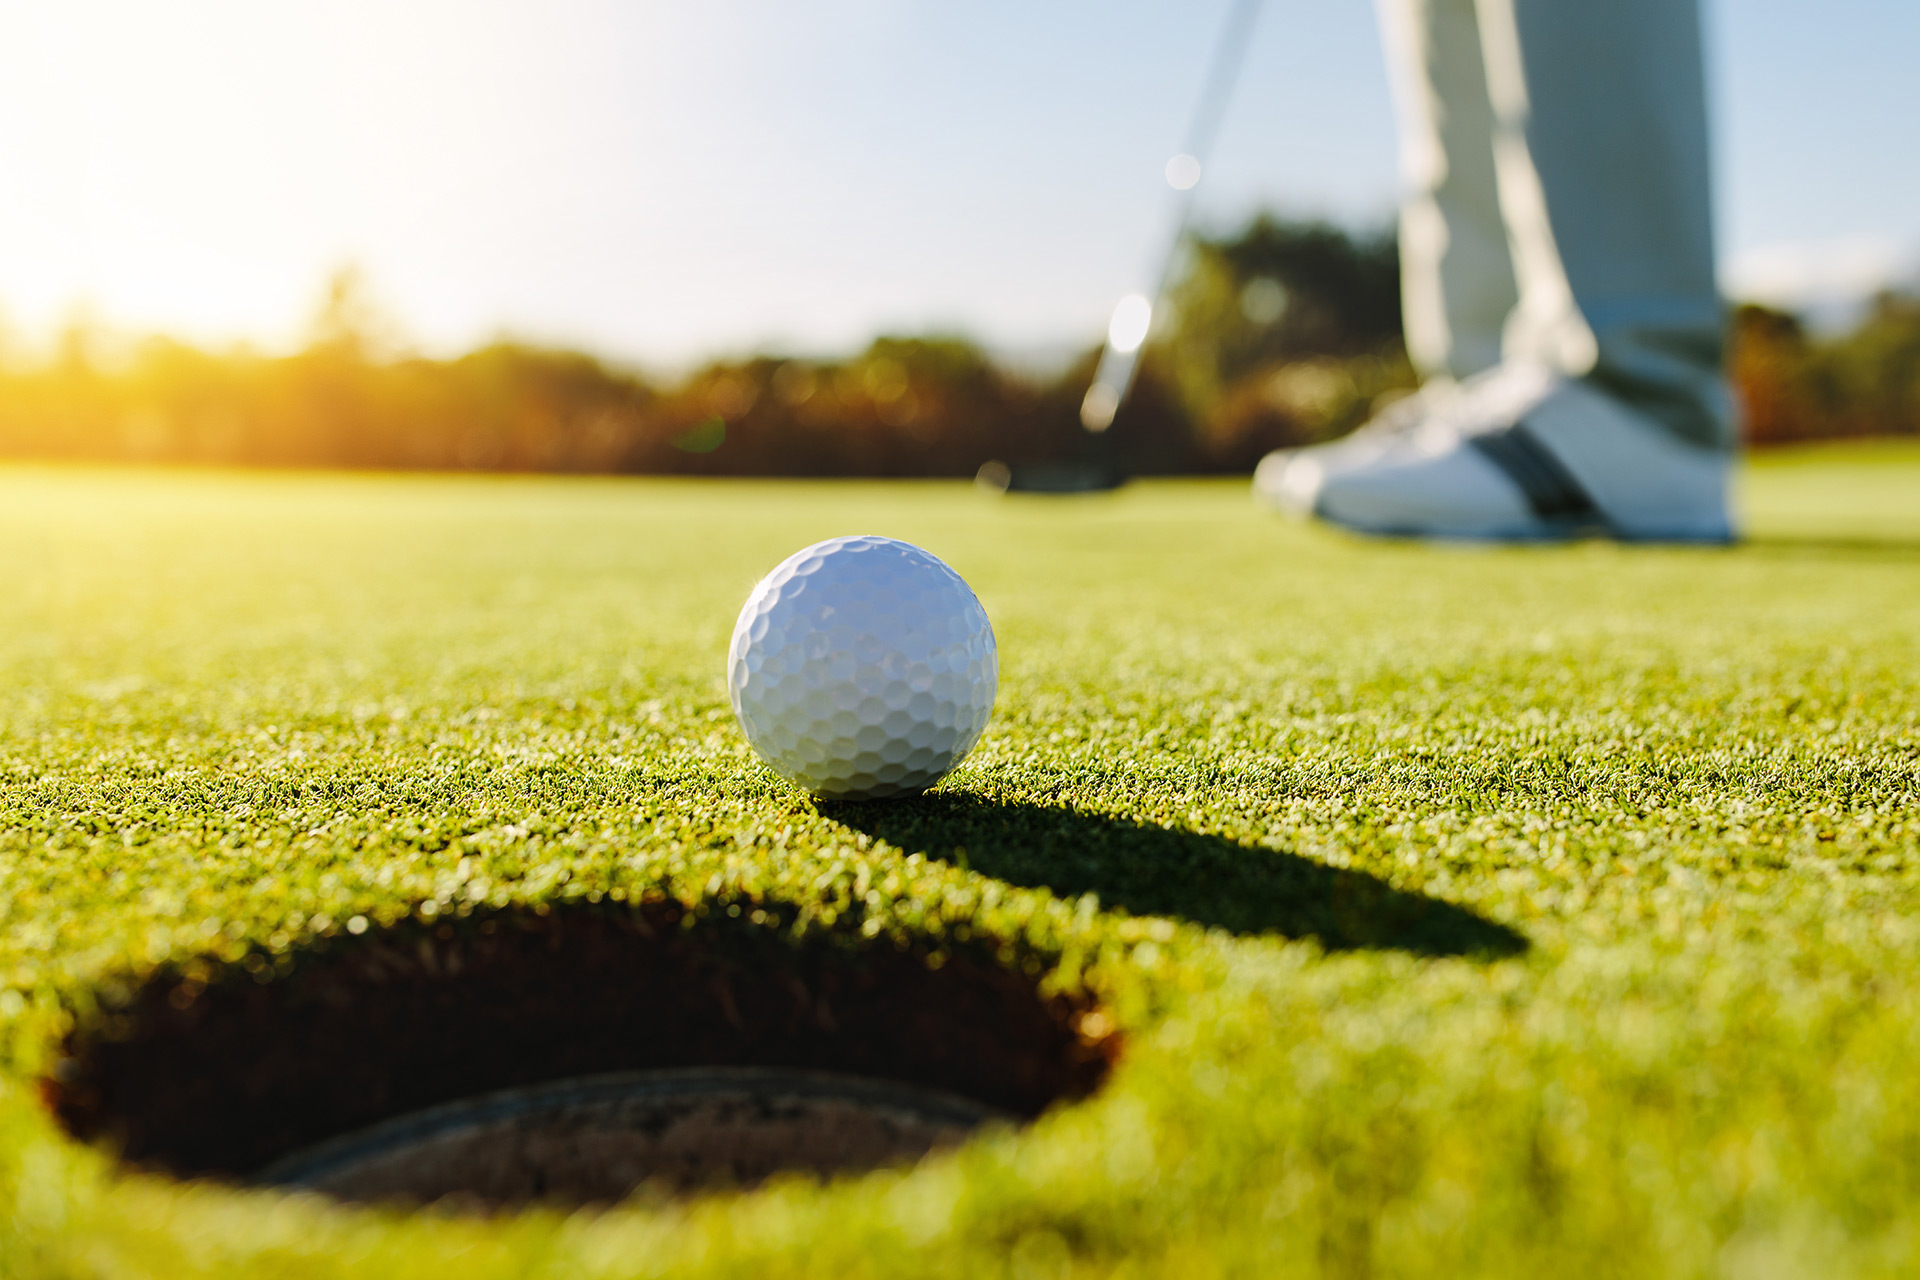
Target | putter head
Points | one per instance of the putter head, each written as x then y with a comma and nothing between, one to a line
1049,477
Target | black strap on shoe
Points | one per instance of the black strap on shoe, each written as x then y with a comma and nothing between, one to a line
1549,487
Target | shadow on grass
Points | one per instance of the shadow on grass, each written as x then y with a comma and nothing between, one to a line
1161,871
1865,546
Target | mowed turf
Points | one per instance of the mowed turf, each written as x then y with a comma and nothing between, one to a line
1461,911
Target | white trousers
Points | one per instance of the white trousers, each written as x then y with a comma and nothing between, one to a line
1558,205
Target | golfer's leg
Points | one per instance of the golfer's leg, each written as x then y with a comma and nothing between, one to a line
1606,412
1601,153
1457,278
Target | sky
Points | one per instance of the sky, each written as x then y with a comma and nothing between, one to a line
666,181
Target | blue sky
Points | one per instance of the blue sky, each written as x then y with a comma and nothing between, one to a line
668,180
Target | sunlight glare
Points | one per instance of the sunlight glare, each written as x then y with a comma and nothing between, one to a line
1183,172
1128,328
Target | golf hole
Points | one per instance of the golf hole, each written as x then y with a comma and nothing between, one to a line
570,1056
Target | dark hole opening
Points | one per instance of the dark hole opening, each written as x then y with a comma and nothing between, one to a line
224,1072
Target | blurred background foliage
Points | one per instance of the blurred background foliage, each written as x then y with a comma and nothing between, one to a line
1281,333
1796,387
1285,333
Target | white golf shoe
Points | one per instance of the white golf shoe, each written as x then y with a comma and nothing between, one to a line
1518,453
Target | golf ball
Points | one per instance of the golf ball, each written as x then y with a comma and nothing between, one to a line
862,668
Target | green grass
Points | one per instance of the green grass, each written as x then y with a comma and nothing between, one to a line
1468,912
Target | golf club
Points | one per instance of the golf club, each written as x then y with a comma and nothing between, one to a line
1133,315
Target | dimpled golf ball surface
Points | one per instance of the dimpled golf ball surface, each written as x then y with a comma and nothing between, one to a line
862,668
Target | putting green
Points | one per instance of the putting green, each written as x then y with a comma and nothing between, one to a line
1451,911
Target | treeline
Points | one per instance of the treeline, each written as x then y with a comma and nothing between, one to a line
1283,334
899,409
1795,387
902,407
